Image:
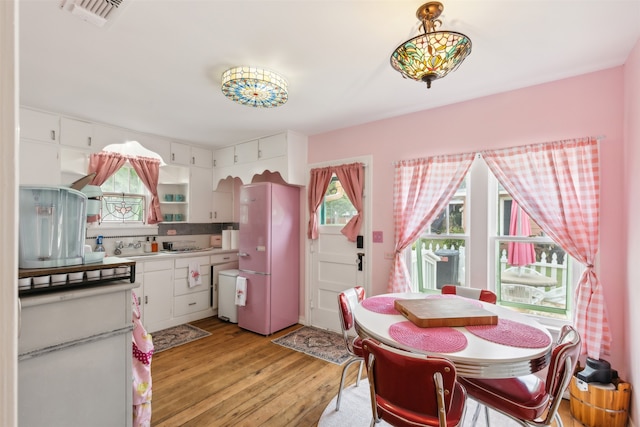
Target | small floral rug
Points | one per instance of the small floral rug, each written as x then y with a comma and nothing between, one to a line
175,336
325,345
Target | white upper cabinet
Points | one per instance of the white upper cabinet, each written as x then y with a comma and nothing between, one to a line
104,135
284,153
180,154
224,157
157,144
272,146
246,152
201,157
76,133
39,126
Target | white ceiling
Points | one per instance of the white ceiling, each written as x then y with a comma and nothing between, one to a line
156,67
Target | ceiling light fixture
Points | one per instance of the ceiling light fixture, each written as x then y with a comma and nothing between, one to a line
255,87
434,54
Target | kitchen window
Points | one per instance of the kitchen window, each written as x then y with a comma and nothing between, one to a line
124,199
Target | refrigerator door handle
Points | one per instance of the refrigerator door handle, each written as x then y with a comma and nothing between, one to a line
243,254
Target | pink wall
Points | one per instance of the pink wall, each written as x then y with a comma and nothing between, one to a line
588,105
631,206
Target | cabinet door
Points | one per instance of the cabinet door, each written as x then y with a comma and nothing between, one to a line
200,195
105,135
222,206
158,299
39,163
247,152
180,154
224,157
39,126
158,145
201,157
273,146
76,133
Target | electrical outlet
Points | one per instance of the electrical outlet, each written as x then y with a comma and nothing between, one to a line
377,237
171,232
388,255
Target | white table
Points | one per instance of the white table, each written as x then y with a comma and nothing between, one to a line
480,359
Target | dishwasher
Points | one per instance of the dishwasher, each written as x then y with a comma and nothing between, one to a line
227,309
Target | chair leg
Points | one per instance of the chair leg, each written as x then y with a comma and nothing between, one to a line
359,373
476,414
344,375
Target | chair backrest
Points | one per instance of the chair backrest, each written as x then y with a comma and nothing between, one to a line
347,300
408,382
562,364
471,293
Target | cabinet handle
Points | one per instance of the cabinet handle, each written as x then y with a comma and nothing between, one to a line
53,135
139,301
89,141
193,160
214,163
259,153
235,158
215,215
146,299
192,303
173,157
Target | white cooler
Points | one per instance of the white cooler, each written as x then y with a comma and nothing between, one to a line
227,309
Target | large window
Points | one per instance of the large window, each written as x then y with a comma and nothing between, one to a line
124,198
455,249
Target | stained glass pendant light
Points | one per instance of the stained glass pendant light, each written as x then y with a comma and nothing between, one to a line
434,54
255,87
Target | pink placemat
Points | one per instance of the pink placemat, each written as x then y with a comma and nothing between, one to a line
382,305
471,301
511,333
437,340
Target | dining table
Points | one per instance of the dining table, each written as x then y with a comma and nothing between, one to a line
514,345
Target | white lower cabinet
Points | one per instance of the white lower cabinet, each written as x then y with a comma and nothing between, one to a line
157,301
74,361
192,302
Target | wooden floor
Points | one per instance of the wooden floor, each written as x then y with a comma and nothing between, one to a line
238,378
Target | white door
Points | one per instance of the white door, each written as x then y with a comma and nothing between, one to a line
334,262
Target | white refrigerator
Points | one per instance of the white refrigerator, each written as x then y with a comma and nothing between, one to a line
269,256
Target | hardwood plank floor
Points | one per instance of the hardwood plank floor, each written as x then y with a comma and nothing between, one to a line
237,378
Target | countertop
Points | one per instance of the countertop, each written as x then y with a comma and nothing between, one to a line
176,254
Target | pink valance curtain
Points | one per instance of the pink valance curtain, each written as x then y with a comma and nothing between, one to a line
557,185
149,171
422,189
104,164
351,177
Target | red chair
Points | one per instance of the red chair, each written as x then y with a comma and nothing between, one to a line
479,294
409,389
346,301
529,400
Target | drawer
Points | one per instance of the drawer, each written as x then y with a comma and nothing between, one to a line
184,262
71,319
222,258
166,264
181,286
191,303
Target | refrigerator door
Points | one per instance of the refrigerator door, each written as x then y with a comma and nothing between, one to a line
255,315
255,228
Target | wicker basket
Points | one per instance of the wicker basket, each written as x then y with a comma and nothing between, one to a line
599,407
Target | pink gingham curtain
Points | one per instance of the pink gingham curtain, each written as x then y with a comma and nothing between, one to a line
558,185
422,188
148,170
351,177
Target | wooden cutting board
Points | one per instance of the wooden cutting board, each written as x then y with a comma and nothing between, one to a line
440,312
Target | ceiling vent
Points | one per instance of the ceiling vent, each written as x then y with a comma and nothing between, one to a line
97,12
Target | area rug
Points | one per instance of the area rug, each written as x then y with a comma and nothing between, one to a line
355,411
175,336
325,345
